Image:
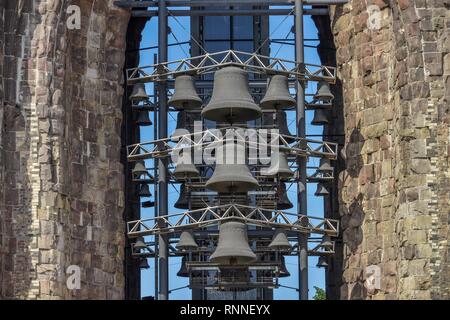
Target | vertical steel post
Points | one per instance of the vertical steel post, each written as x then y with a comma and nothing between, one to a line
301,132
162,163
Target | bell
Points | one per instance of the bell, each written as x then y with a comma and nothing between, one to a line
322,262
186,242
143,119
278,166
138,93
139,169
283,271
233,247
231,100
320,118
280,241
144,191
321,190
326,243
231,175
185,168
182,202
277,95
180,129
183,272
140,244
282,124
283,202
148,204
185,96
143,264
323,92
325,165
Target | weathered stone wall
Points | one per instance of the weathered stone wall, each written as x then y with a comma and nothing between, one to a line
61,178
394,192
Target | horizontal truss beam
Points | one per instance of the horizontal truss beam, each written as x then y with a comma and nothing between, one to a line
228,12
214,215
210,62
294,146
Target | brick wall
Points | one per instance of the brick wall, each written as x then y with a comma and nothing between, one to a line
61,196
393,193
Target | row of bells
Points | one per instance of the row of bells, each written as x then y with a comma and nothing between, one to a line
234,177
233,246
231,100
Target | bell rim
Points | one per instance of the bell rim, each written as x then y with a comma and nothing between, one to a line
252,110
281,105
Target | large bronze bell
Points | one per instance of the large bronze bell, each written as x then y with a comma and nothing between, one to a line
183,272
323,92
185,96
138,93
180,130
283,271
231,100
321,190
280,241
182,202
279,166
185,168
233,247
320,118
231,174
283,202
143,119
277,95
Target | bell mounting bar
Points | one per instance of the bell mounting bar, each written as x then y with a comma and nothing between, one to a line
210,62
214,215
164,147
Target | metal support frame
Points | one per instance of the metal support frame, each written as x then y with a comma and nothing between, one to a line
252,62
163,250
208,216
301,132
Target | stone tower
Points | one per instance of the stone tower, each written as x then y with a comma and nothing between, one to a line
62,176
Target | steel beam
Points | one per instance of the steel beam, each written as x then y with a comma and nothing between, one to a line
162,163
301,132
208,3
227,12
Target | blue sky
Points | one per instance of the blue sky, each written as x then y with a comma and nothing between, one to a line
315,204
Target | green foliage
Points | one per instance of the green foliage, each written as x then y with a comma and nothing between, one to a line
320,294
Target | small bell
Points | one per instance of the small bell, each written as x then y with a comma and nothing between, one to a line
138,171
183,272
280,241
144,191
322,262
185,96
185,169
283,272
325,165
143,264
278,166
323,92
321,190
186,242
277,95
138,93
326,243
180,129
182,202
320,118
143,119
140,244
283,202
